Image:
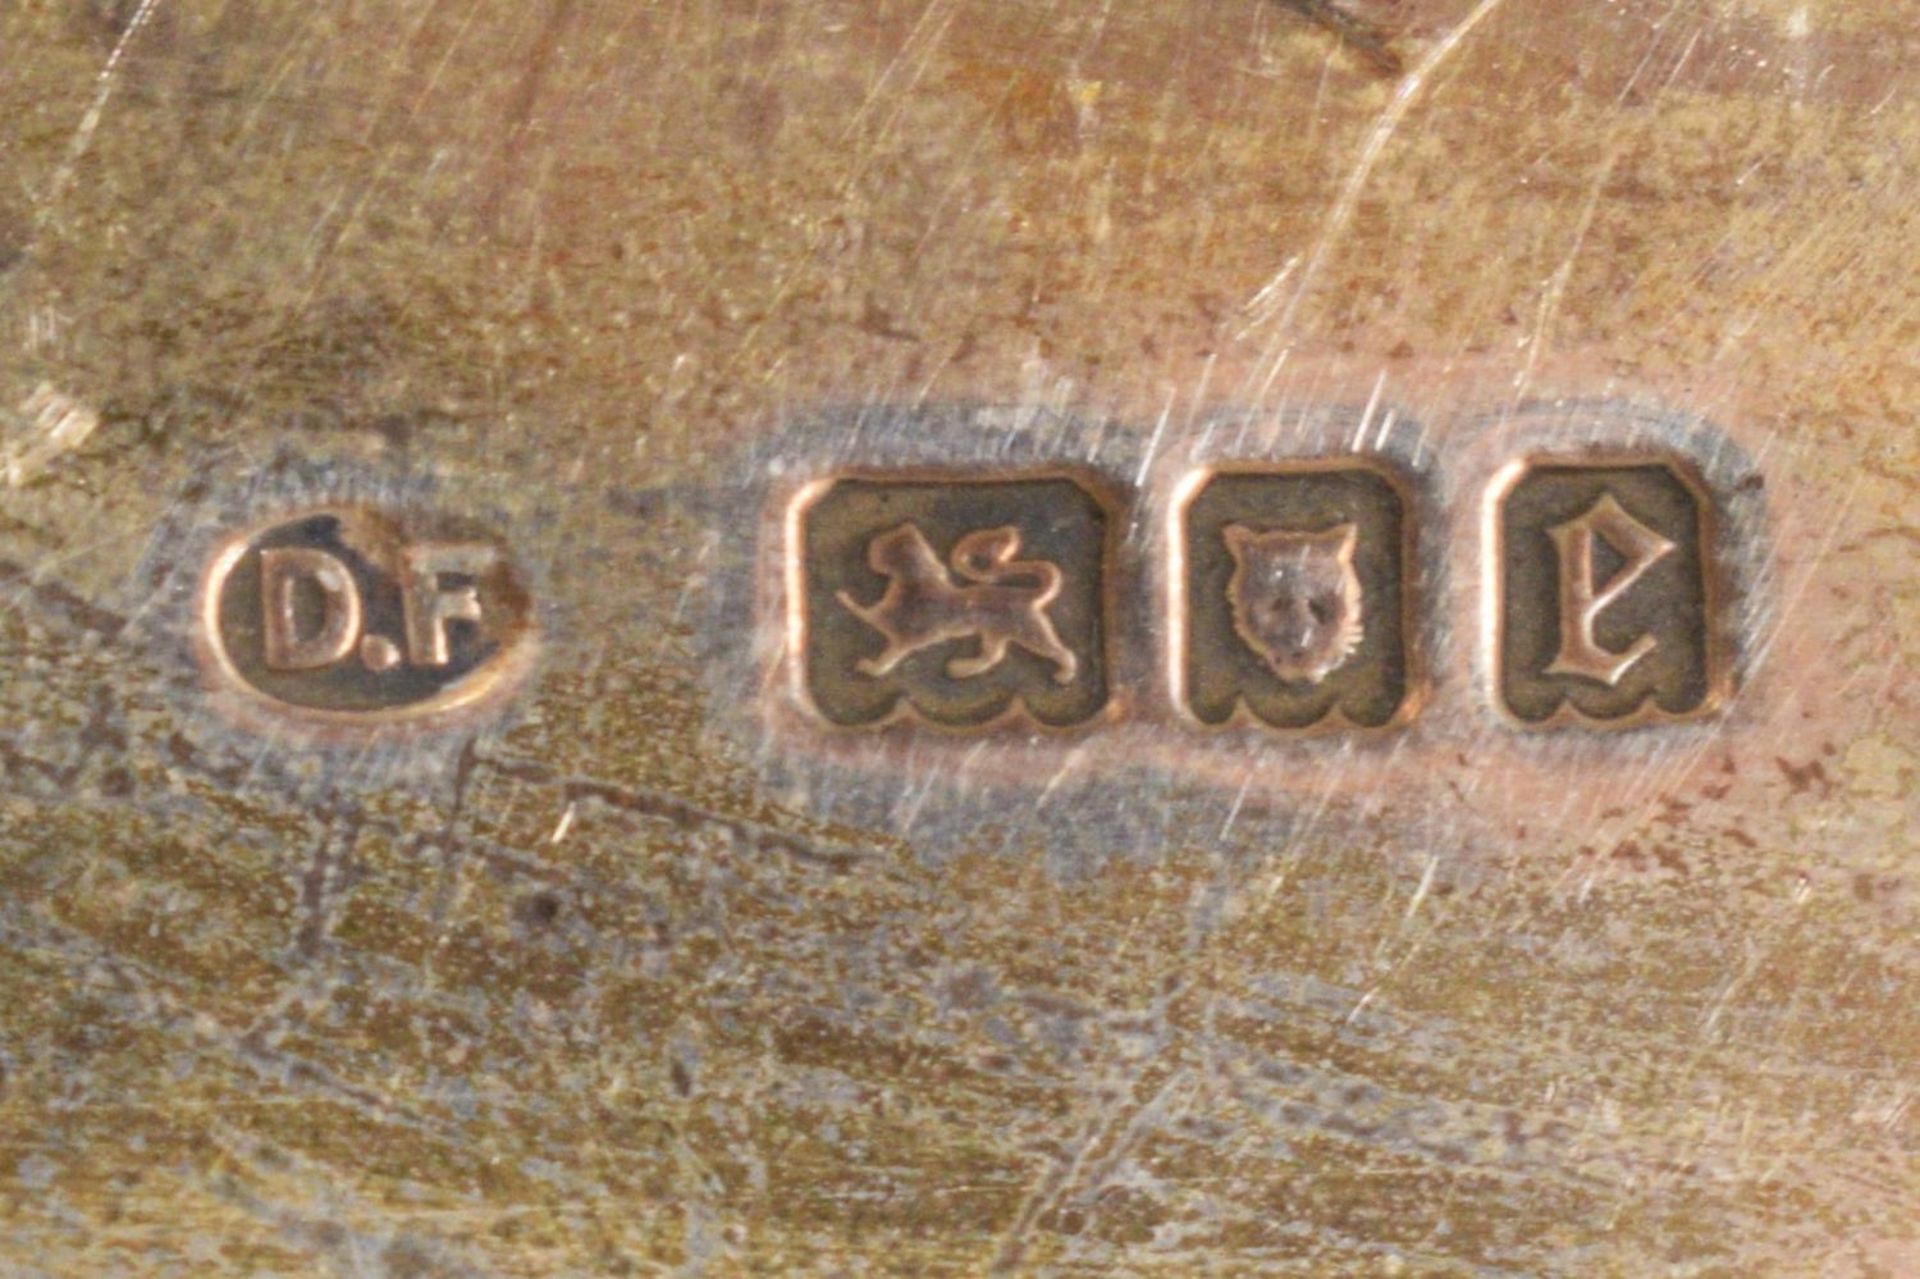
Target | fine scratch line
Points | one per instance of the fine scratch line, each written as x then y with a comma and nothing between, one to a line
1362,36
1383,131
83,136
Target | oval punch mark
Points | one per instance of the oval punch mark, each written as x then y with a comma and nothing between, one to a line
348,617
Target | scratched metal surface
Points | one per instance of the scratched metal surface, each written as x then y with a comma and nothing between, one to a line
644,978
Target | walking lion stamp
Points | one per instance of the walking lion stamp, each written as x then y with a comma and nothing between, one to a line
958,600
1003,602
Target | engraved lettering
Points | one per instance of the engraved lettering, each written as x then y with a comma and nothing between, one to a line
289,641
1581,603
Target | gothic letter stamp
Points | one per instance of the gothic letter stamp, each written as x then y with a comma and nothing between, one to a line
1603,609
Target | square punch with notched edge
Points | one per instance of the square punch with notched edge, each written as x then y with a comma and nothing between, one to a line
968,602
1291,596
1604,605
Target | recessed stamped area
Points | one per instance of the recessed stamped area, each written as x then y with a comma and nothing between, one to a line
962,601
1604,605
355,617
1291,596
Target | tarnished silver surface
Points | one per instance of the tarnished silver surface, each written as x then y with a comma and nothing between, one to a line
685,937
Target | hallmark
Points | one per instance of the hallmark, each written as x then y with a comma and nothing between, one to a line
962,601
353,616
1290,596
1603,608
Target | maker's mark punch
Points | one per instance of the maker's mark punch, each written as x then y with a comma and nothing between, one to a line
350,615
